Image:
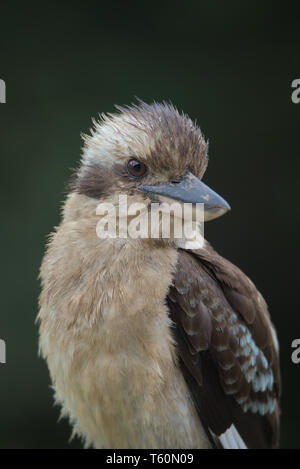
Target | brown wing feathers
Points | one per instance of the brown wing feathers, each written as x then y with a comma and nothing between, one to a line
226,347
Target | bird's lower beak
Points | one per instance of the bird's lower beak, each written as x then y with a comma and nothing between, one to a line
189,190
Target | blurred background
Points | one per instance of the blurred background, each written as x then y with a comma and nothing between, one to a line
229,65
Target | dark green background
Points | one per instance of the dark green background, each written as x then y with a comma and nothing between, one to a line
227,64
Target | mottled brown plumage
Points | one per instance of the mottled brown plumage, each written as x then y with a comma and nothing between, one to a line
219,315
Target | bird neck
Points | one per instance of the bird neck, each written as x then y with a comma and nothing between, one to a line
94,281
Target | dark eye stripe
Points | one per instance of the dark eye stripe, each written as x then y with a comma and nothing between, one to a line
136,169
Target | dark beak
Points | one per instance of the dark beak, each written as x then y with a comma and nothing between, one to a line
189,190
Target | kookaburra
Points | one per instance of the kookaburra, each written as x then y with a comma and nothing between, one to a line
151,344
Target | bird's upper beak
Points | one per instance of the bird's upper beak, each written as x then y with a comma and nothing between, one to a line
189,190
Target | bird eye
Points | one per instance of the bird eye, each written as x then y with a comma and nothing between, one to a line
136,168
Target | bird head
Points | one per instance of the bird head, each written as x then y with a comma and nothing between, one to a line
150,153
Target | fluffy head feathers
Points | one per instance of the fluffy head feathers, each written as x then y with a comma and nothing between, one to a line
167,141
